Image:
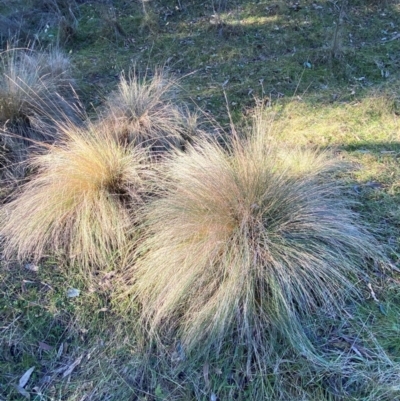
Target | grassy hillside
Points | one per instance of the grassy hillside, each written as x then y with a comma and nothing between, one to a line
114,284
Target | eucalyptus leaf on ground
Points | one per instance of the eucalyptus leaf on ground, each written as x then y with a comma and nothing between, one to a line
25,377
73,293
23,392
72,366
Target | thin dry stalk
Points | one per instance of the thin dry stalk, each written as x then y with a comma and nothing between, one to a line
337,50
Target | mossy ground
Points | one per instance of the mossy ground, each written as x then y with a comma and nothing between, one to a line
328,76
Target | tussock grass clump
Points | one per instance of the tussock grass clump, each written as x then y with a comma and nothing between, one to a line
53,63
30,86
247,242
82,200
142,112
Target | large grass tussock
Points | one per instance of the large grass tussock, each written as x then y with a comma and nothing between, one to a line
81,201
247,242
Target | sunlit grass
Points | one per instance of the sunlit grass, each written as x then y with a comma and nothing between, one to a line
246,242
368,121
244,51
81,201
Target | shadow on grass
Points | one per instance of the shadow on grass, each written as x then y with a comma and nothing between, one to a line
380,148
246,48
